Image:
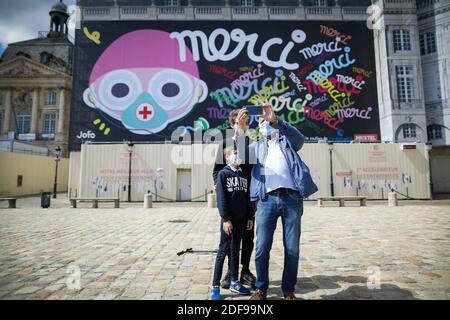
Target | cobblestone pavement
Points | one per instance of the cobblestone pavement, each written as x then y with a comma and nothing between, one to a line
130,253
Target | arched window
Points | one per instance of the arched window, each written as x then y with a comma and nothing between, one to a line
23,119
409,131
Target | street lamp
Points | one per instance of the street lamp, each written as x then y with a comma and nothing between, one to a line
330,148
130,152
159,181
429,147
57,158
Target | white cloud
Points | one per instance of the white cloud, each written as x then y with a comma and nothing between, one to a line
22,19
18,33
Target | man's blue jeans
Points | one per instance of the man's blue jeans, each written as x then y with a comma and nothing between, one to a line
287,204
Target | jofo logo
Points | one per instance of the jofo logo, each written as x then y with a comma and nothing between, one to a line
86,135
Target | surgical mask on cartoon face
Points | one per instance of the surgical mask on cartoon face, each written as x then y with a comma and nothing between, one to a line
266,129
234,159
146,106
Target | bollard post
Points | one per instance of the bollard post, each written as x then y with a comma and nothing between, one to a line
392,199
212,200
148,201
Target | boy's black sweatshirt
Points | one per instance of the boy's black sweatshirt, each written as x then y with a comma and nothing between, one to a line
233,194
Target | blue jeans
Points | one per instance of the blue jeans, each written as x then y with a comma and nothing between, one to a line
229,244
287,204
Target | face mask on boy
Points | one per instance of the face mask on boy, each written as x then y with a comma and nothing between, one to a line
234,159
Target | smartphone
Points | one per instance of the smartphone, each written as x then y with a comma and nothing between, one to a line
254,110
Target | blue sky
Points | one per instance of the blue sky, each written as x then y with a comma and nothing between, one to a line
22,19
2,48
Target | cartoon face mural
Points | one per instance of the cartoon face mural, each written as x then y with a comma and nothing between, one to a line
148,80
145,88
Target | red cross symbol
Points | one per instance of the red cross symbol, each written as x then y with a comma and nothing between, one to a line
144,112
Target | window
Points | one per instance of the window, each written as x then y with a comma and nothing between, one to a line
45,57
23,122
422,44
50,98
434,132
247,3
405,83
320,3
409,131
427,43
173,3
19,180
431,72
402,40
49,123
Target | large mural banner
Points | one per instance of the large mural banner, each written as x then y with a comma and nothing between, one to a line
143,80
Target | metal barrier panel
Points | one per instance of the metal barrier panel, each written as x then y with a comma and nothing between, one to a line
369,170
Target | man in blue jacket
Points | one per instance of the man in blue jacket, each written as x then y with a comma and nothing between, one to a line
280,181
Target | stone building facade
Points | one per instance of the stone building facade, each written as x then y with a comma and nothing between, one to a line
35,86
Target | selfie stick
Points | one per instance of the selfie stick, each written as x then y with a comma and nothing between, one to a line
189,250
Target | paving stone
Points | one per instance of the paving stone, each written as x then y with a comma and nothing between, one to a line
134,293
27,290
11,286
133,256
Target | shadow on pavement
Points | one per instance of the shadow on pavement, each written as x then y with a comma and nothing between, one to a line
355,292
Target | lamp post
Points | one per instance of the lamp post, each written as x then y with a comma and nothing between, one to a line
57,158
429,146
158,181
330,148
130,152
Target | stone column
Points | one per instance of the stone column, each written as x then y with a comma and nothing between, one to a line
34,111
61,111
6,122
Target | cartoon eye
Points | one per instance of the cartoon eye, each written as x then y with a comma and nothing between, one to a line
171,88
118,89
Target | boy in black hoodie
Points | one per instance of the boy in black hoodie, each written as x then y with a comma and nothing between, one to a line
239,120
235,209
